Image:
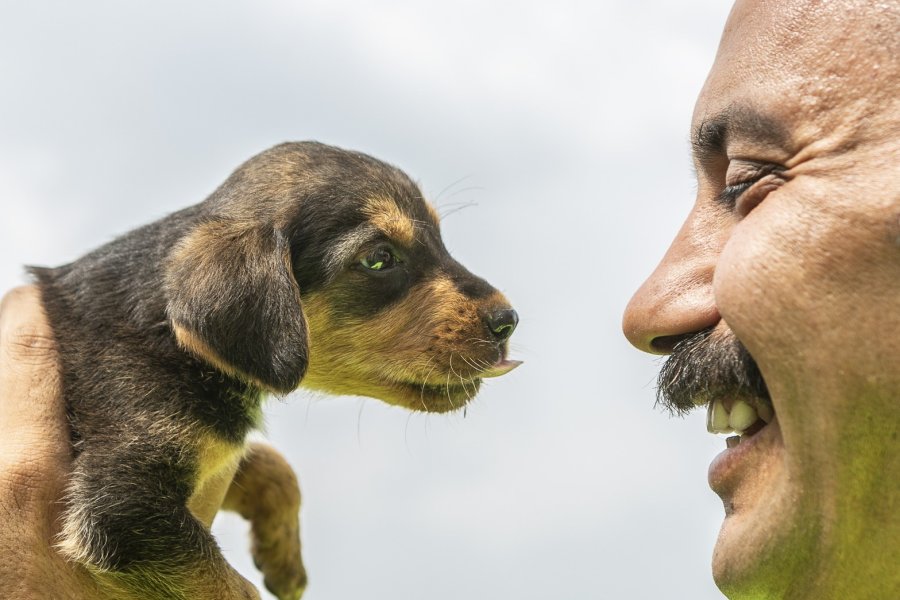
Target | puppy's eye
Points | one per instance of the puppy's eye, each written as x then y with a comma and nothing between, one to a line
379,260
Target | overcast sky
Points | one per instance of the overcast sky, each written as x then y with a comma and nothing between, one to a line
562,128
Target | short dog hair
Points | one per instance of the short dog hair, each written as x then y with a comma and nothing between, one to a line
310,265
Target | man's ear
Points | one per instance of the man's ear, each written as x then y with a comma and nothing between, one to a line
233,302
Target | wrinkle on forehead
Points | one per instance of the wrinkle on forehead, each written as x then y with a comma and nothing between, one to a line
818,67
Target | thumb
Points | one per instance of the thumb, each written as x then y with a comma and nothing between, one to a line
34,437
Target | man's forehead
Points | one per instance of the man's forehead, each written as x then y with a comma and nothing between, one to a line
798,65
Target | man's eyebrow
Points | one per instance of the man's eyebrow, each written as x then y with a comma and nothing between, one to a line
710,137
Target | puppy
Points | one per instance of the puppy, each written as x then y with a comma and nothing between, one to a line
310,266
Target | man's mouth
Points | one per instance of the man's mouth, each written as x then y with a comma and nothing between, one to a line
713,369
742,416
754,423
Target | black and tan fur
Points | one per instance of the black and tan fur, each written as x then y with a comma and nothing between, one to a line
171,335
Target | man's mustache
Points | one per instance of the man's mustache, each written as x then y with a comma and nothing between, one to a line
706,366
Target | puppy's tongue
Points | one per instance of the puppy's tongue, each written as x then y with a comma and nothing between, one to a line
500,368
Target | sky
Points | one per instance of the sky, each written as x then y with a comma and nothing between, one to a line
553,136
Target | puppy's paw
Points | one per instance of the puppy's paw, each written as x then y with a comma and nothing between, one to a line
288,589
276,553
266,493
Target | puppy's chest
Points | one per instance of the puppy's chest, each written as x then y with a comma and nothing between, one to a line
218,444
216,461
215,455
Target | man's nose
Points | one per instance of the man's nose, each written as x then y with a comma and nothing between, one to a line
677,299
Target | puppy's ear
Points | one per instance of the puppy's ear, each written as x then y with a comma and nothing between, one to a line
233,301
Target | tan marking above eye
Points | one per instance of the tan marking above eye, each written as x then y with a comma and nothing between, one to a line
384,214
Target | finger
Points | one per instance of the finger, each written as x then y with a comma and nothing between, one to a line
30,405
34,457
34,439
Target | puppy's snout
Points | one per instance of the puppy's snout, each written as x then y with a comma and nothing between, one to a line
502,323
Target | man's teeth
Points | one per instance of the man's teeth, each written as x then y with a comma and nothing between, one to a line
717,418
740,418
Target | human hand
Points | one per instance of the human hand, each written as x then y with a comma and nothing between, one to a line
35,459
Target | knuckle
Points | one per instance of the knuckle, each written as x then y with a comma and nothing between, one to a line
24,332
21,485
31,341
30,345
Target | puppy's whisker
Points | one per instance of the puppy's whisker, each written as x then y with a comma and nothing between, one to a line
425,383
471,381
469,362
452,370
462,382
362,404
449,187
447,385
428,362
446,214
482,364
471,188
478,365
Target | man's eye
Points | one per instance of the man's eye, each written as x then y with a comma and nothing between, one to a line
753,183
730,193
379,260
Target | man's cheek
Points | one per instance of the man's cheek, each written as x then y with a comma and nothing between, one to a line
789,278
761,284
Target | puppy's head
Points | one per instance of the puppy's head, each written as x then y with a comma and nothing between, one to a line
316,265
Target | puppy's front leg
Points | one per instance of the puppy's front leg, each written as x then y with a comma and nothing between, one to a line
127,520
265,492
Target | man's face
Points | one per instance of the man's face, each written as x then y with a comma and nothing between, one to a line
789,263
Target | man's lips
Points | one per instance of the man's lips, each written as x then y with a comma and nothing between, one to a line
755,424
734,464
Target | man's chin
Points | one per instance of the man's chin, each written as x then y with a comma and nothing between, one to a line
752,557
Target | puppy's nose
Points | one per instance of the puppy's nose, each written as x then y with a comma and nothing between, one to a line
502,323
